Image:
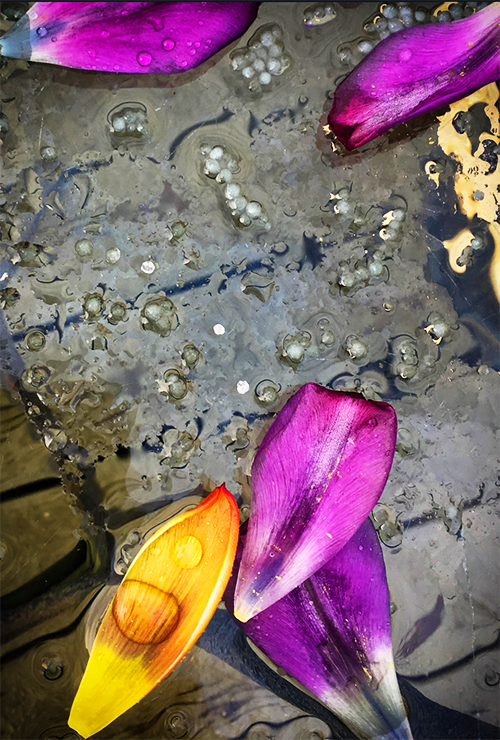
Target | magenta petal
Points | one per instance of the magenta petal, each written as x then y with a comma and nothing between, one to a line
415,71
316,476
154,37
333,635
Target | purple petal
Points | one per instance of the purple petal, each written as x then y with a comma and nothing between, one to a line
154,37
333,635
316,476
415,71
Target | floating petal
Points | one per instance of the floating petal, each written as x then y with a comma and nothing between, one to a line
333,635
160,609
415,71
154,37
316,476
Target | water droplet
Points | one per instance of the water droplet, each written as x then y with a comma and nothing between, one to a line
191,355
145,614
177,725
144,58
105,34
84,248
168,44
53,668
41,31
48,153
372,422
188,552
159,315
35,340
93,305
35,376
266,392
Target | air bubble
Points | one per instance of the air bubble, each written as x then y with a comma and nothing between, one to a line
84,248
35,340
176,385
48,153
113,255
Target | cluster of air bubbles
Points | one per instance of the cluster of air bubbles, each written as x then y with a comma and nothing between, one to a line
326,335
93,306
175,385
392,225
354,274
294,348
129,120
159,315
319,14
405,358
35,377
219,165
117,312
389,529
437,328
263,59
466,259
393,17
190,356
48,153
340,203
355,348
127,552
267,392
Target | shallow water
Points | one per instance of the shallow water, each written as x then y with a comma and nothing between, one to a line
148,340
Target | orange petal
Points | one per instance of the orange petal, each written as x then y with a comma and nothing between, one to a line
160,609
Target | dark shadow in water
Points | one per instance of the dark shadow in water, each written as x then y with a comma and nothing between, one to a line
428,720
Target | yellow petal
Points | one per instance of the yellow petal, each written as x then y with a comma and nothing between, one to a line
160,609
